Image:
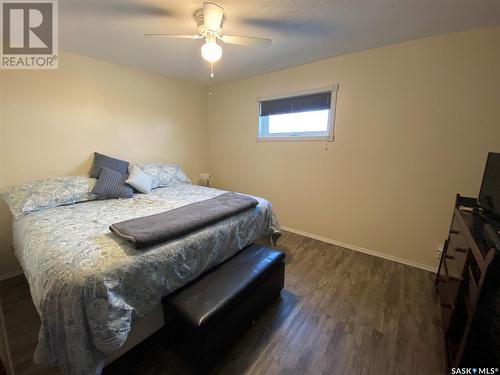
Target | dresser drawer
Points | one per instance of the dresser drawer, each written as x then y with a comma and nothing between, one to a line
457,241
447,287
455,226
464,239
456,253
446,294
454,268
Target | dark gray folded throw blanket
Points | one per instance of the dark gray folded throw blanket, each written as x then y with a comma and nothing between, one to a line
151,230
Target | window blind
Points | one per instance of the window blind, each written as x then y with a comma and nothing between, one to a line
303,103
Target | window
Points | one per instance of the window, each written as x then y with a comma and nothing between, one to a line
307,115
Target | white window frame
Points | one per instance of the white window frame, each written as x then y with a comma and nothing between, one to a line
310,136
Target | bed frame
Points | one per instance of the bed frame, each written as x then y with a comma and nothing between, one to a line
141,330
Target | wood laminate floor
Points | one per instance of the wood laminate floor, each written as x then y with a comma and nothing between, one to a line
341,312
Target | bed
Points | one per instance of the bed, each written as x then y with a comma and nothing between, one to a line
89,286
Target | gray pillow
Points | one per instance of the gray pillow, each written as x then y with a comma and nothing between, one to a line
139,180
111,184
101,160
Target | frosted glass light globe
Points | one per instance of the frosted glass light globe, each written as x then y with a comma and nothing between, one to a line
211,52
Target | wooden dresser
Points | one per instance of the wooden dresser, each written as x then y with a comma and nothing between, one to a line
465,263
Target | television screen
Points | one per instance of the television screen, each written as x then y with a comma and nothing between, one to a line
489,196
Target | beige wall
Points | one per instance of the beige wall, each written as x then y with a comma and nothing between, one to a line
414,123
54,120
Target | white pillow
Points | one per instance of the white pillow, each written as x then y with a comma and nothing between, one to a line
139,180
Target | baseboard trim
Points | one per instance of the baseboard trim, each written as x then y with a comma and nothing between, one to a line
378,254
10,275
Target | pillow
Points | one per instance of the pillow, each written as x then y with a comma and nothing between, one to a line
111,184
51,192
101,160
139,180
165,174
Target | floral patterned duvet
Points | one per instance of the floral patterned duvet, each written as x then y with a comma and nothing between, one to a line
88,285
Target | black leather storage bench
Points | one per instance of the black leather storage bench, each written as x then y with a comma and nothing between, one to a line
207,315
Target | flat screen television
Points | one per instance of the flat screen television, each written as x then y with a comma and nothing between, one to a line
489,196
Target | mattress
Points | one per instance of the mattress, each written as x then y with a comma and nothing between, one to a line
88,285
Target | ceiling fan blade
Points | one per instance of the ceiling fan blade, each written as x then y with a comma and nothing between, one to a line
212,16
249,41
175,36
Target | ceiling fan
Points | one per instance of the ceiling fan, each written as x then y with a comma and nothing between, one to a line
209,20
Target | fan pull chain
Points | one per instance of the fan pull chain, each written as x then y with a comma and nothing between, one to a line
210,80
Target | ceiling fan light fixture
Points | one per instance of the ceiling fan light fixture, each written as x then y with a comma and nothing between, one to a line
209,20
211,51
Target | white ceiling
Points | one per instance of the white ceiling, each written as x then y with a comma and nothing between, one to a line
302,30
